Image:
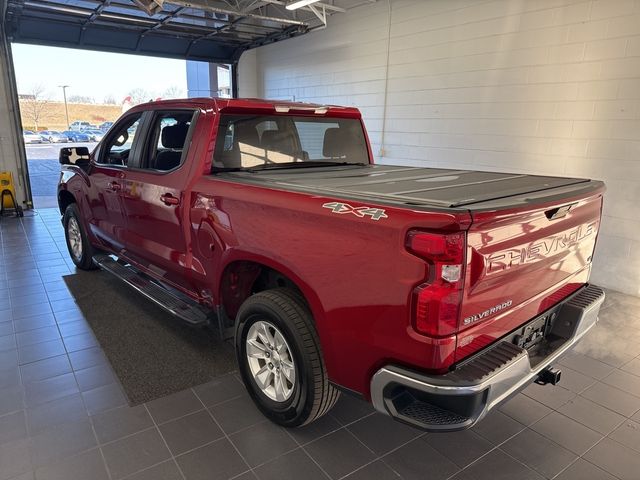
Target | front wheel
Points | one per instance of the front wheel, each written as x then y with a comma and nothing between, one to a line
80,249
280,360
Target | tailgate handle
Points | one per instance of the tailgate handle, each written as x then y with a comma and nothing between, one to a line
558,212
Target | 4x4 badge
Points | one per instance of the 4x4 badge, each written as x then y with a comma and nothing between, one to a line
360,212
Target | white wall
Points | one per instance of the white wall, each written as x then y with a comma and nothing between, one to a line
538,86
248,75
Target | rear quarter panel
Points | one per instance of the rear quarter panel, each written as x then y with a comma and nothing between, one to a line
354,272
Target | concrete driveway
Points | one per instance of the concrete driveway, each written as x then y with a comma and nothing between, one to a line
44,171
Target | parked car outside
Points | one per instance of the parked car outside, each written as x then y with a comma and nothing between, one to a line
80,126
32,137
104,126
76,136
95,135
53,136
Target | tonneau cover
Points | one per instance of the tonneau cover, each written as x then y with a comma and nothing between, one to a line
436,187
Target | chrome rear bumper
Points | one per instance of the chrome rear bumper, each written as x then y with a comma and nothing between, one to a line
459,399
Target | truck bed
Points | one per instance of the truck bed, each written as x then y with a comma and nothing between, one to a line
416,186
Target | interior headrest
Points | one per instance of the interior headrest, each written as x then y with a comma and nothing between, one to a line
174,136
277,141
246,133
335,143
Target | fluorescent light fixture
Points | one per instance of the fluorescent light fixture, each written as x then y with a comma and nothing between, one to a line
300,4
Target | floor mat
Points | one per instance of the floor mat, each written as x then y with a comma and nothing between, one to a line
152,352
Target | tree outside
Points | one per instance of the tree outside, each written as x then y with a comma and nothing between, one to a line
140,95
36,103
173,92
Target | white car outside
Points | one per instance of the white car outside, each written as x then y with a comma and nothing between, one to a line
31,137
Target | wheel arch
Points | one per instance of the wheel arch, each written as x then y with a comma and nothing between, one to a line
244,276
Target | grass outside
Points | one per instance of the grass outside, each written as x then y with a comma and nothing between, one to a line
52,115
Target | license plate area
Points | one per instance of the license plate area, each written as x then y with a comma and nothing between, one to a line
534,332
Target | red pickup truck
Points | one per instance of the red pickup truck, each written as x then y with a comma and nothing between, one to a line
434,293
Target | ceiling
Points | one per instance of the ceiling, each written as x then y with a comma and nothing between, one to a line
208,30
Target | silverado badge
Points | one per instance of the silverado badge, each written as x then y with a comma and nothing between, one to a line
360,212
487,313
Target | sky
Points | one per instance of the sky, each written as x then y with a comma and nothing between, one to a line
94,74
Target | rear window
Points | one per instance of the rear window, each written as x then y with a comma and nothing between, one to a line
246,141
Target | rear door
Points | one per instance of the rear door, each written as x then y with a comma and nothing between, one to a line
521,262
154,200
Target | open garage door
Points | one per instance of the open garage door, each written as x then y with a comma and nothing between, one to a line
208,30
216,31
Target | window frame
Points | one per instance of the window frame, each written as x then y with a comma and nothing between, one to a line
133,152
148,134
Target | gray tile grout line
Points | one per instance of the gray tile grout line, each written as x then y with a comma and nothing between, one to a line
378,457
175,461
578,456
586,460
298,445
498,445
381,457
225,433
304,450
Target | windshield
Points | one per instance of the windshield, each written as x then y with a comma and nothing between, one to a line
275,141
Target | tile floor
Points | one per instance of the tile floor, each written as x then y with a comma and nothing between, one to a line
63,415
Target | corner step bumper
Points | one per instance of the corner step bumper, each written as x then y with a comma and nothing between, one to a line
459,399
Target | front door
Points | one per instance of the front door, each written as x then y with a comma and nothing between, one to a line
107,175
153,198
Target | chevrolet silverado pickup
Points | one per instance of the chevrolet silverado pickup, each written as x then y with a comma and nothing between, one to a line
436,294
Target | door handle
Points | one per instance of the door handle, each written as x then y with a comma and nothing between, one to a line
115,186
169,199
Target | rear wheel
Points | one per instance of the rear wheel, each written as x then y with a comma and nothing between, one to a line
280,359
80,250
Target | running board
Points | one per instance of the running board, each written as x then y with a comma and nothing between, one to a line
169,299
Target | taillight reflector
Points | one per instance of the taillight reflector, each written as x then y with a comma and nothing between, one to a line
436,303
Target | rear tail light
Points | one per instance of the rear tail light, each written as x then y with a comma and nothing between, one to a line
436,303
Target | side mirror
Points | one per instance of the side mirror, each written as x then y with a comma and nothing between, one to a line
74,156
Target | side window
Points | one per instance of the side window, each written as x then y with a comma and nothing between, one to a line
118,147
167,146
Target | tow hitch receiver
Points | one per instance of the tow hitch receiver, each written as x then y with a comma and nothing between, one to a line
549,375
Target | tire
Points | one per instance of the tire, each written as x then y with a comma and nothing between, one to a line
311,395
75,235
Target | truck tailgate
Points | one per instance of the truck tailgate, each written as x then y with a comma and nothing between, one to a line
521,261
